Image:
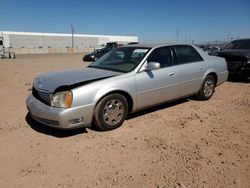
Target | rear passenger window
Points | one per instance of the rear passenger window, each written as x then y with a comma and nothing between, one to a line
187,54
163,56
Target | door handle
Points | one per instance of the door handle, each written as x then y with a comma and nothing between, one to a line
202,68
171,73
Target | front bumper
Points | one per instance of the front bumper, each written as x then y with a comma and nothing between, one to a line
61,118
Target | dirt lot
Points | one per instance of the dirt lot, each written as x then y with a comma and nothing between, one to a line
188,143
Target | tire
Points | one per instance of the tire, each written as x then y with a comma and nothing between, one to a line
110,112
207,88
12,55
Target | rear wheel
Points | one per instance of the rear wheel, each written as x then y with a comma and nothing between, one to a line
110,112
207,88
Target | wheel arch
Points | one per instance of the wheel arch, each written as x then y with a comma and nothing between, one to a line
214,75
128,97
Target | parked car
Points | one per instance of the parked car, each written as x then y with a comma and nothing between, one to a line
125,80
237,55
211,50
100,52
91,56
132,43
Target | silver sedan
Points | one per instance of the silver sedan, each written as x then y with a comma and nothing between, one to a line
125,80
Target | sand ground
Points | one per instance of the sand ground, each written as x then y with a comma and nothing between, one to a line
187,143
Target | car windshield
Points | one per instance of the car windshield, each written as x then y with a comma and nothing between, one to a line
109,45
123,59
240,44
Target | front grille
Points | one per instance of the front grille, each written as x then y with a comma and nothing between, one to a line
41,96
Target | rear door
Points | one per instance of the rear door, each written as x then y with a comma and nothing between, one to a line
159,85
191,69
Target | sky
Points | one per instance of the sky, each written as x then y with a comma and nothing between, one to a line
150,20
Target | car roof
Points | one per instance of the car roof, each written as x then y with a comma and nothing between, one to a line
111,42
239,40
150,45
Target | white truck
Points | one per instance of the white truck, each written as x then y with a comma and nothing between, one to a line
4,53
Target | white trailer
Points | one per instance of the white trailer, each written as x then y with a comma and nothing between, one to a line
4,53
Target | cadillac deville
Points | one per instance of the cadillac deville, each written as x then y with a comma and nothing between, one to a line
125,80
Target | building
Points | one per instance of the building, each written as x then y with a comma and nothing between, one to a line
32,43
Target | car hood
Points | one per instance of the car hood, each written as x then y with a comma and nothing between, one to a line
68,79
242,53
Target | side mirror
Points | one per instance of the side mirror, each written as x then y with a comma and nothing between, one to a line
152,66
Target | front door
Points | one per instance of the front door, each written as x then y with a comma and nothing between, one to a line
157,86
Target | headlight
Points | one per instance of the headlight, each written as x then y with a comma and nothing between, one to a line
62,99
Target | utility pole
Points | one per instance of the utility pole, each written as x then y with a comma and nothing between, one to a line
72,31
177,35
43,40
228,37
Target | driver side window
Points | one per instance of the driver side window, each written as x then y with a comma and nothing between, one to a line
163,56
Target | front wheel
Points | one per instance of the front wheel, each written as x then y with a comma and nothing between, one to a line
207,88
110,112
